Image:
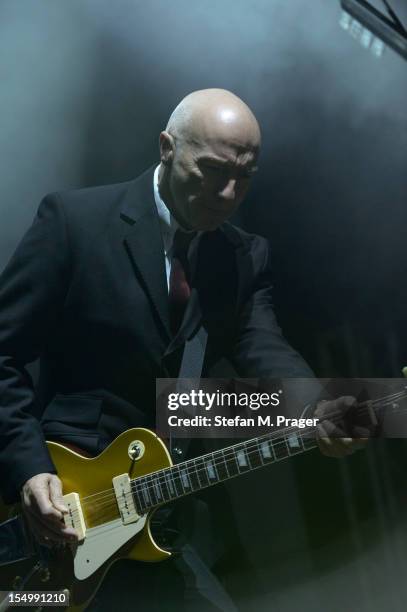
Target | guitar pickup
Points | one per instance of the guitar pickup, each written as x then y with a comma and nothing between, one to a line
74,518
124,498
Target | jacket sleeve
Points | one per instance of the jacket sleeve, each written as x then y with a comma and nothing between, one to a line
260,349
32,291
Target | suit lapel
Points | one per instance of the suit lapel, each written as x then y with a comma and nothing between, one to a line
144,244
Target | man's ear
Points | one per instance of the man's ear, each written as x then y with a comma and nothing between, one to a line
167,146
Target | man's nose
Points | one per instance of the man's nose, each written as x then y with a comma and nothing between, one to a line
228,191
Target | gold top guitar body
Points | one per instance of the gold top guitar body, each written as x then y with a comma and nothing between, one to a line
108,530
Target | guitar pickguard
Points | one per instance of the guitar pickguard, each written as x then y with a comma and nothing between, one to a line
101,543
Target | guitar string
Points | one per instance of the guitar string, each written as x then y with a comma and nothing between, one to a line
142,510
191,491
280,433
109,493
146,510
157,484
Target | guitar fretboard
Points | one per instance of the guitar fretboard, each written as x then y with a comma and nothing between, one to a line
201,472
193,475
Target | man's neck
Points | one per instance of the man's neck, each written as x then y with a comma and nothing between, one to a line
162,180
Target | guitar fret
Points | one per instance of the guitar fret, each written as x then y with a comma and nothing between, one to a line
170,483
164,486
211,471
293,444
265,450
220,465
225,462
231,462
242,460
235,457
260,454
271,445
157,488
176,481
248,456
193,475
151,491
184,479
280,448
179,480
202,472
253,455
301,441
236,460
309,443
145,493
137,496
287,448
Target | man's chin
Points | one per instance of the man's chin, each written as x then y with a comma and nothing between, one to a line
210,226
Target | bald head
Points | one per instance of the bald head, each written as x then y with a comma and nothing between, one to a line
208,152
214,113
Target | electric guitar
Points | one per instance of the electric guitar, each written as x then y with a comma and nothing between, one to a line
111,499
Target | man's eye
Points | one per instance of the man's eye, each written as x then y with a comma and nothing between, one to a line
220,170
213,168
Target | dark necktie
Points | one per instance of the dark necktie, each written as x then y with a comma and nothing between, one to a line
179,290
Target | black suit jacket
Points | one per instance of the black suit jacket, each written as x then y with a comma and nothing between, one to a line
86,292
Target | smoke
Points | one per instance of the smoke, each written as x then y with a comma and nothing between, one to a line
88,85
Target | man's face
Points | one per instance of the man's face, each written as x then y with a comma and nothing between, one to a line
209,178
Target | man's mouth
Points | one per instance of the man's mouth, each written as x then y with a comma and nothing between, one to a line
216,211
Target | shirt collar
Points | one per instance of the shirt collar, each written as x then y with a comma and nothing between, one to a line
168,223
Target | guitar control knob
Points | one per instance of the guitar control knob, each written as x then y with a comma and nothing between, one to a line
136,450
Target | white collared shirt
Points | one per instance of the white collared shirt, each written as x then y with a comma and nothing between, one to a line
168,226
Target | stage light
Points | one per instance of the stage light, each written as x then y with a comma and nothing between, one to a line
372,29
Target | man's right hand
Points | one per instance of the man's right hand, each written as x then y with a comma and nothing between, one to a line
44,507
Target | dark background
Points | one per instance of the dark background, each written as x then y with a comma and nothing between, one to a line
86,87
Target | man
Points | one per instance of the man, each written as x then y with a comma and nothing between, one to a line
91,291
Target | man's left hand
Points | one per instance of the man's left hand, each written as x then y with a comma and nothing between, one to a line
335,435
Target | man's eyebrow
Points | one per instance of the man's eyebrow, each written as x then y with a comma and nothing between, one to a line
225,162
213,158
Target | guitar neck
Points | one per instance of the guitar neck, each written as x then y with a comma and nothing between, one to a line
213,468
207,470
